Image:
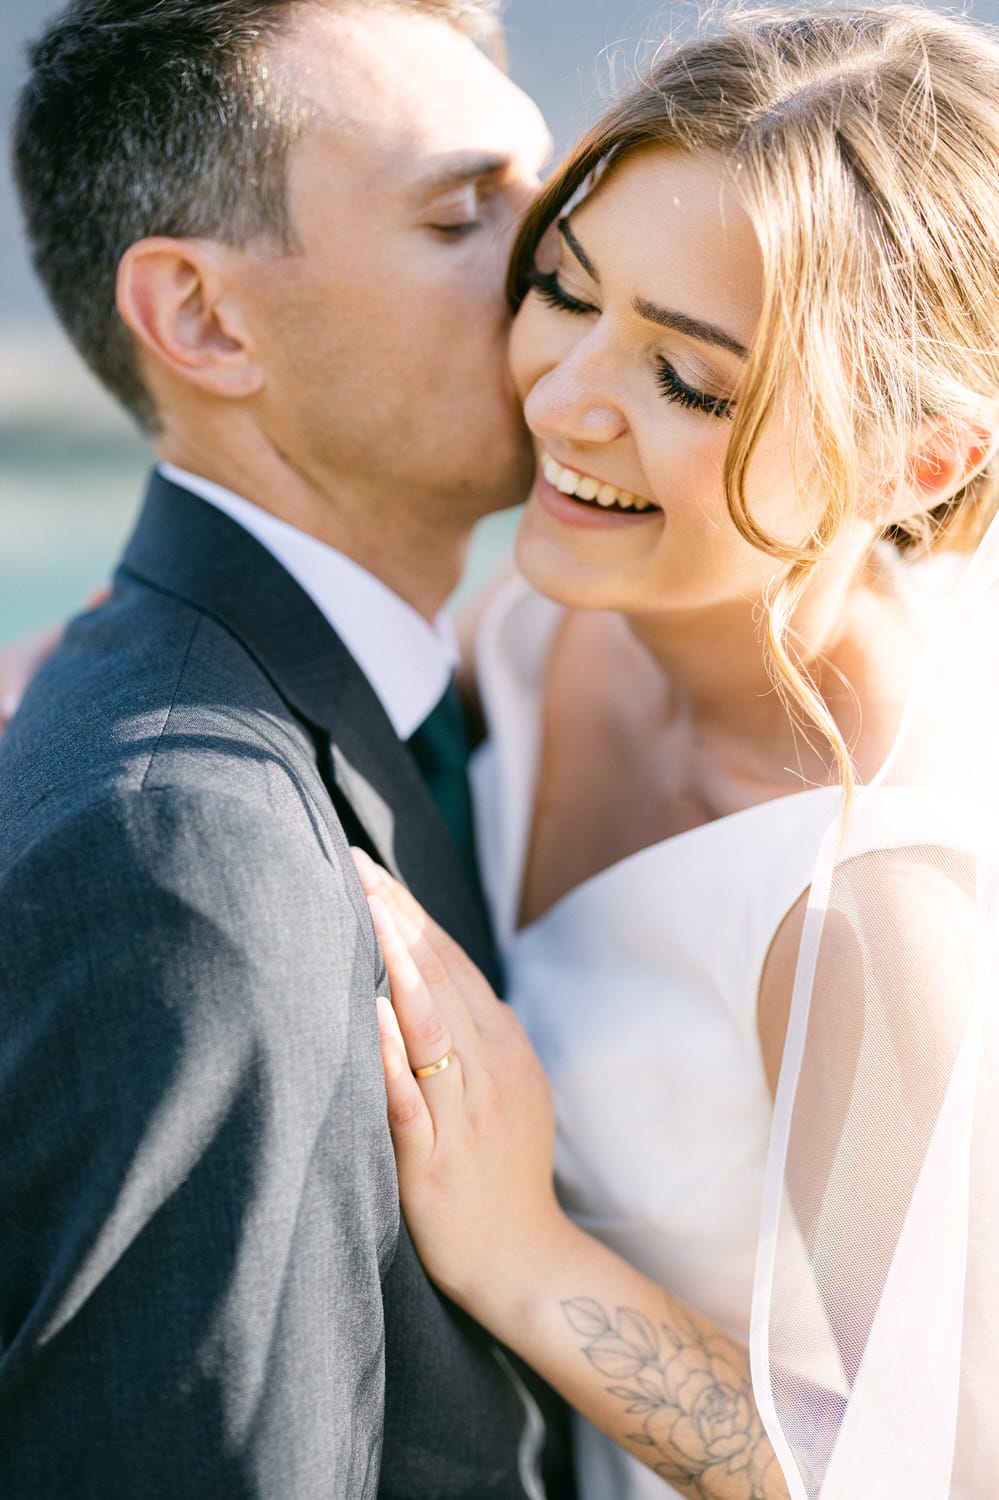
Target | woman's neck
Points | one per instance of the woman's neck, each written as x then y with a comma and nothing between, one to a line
720,687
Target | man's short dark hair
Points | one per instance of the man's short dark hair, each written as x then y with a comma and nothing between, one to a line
159,117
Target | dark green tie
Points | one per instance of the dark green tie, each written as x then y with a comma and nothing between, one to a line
441,749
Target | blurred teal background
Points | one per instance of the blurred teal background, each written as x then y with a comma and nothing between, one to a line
71,468
68,490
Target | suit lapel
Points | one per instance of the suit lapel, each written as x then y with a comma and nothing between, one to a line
379,777
186,547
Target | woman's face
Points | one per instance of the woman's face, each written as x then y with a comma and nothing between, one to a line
627,353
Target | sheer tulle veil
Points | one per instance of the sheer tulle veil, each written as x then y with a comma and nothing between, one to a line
875,1330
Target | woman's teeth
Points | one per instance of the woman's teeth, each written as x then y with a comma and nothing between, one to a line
584,487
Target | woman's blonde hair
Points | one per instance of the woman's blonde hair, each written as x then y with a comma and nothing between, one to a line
865,147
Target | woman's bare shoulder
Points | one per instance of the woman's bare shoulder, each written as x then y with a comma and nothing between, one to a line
914,912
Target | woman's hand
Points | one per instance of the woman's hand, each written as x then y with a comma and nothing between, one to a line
18,664
474,1139
23,658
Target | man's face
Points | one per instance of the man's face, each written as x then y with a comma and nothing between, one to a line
384,336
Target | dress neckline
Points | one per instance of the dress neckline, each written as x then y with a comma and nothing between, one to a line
723,826
511,674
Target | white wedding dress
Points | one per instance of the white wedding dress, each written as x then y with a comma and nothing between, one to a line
638,990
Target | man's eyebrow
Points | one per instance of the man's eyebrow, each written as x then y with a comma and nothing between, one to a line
456,171
694,328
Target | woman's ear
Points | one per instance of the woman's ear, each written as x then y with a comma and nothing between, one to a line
944,458
176,299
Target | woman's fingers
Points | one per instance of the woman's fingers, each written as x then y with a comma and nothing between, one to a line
424,1075
425,1032
413,921
446,968
409,1118
474,1132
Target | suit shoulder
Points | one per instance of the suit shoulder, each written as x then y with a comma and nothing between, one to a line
149,692
176,869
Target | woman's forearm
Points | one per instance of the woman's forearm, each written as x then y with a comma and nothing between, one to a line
657,1378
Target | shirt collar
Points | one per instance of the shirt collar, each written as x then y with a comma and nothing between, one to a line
407,661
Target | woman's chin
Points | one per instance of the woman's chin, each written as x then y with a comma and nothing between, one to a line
560,573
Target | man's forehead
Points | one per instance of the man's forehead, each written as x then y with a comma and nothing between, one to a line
406,100
385,68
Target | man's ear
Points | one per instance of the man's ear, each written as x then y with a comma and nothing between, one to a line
176,299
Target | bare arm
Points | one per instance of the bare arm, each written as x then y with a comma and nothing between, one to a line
887,1014
658,1379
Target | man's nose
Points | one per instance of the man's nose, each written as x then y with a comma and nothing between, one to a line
523,193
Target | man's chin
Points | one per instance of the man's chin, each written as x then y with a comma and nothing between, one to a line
516,484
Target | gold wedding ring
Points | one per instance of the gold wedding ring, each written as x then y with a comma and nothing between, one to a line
436,1067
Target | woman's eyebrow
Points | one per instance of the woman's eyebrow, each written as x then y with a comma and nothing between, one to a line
566,231
694,328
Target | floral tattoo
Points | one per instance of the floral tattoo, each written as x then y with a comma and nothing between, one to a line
693,1398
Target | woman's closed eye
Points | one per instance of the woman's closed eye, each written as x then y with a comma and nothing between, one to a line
674,388
550,290
671,383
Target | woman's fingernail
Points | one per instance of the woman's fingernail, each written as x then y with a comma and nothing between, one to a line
367,871
388,1022
390,1038
381,917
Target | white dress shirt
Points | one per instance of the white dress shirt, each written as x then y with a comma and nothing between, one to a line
407,661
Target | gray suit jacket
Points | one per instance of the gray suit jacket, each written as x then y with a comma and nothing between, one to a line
205,1286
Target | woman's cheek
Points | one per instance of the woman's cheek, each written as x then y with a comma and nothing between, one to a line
526,359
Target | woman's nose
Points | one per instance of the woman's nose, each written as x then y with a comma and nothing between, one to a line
567,402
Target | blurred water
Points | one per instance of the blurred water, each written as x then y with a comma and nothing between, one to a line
68,499
66,502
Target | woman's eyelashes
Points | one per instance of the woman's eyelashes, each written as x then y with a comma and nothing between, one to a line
550,290
672,385
675,389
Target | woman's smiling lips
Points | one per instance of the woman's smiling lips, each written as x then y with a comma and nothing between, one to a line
579,499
